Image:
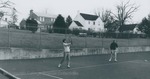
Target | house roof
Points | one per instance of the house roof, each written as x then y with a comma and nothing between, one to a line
89,16
78,23
128,27
45,15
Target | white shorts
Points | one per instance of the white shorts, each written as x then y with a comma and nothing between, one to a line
114,51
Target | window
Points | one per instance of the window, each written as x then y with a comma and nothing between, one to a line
89,22
42,19
53,19
5,19
98,23
93,23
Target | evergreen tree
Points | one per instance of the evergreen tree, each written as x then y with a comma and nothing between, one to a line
68,21
32,25
60,25
60,22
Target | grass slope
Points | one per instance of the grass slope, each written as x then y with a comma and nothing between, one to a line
26,39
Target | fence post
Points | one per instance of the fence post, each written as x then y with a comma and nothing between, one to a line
40,39
102,42
148,43
8,37
128,39
85,42
65,33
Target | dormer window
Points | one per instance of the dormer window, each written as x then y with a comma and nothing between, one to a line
41,18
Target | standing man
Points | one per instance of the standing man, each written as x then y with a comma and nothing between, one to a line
66,56
114,49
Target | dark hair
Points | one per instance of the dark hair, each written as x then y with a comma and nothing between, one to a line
64,40
114,40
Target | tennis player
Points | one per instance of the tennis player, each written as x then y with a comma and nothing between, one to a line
66,53
114,49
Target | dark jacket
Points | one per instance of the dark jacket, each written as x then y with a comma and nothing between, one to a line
113,46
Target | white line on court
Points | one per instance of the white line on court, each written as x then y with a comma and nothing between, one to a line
72,68
139,62
5,72
50,75
88,66
41,74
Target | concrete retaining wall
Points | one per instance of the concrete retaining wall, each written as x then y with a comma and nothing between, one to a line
22,53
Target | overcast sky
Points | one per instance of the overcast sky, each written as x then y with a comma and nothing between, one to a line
70,7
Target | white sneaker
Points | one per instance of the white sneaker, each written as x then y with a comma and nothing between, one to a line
109,59
59,65
68,66
115,59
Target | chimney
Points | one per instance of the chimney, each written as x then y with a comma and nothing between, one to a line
31,11
31,14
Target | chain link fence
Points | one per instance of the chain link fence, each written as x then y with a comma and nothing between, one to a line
52,39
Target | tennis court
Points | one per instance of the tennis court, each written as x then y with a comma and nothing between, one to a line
128,66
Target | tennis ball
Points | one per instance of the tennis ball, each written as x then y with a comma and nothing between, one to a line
145,60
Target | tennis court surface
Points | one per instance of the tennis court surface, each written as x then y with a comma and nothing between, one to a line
128,66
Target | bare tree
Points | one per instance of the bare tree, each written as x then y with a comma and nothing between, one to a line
107,17
125,12
1,15
6,4
14,16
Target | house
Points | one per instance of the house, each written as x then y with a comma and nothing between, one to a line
76,24
87,22
136,30
4,23
7,18
45,21
23,24
130,28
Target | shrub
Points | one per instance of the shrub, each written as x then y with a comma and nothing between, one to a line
75,31
13,26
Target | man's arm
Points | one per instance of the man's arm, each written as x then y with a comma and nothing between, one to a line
66,44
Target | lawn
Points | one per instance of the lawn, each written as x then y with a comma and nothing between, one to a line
27,39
